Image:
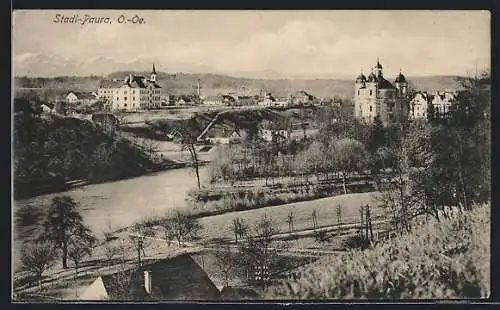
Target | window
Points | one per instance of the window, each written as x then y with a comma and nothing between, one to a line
124,98
133,98
125,105
125,92
370,106
370,93
133,92
117,98
358,92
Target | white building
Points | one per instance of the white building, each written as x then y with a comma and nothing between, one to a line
275,135
76,98
214,100
442,102
419,106
134,93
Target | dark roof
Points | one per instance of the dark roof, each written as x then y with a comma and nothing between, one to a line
111,84
154,69
134,81
372,77
303,92
137,81
83,95
229,97
48,104
400,78
178,278
384,84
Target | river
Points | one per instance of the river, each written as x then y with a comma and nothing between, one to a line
116,204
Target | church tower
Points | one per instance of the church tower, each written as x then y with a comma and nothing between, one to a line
401,84
153,75
378,69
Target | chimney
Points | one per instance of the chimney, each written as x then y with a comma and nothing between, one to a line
147,281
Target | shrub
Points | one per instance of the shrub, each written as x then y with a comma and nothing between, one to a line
447,259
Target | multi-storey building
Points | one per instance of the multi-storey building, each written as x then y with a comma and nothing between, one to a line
376,96
441,103
135,92
419,106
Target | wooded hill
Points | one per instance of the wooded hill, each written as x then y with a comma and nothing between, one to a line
212,84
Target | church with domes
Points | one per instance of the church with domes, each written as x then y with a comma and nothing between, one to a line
376,96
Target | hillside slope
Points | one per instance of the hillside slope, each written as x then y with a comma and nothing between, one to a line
447,259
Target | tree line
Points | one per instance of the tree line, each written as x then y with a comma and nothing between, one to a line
54,150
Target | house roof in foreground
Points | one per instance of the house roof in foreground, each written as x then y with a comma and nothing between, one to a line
177,278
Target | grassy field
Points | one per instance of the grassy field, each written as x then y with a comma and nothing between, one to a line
219,226
446,259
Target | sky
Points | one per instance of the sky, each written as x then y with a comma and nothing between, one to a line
290,43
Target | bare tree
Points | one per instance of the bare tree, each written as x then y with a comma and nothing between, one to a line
182,226
190,146
258,252
224,260
77,250
110,252
122,283
141,231
290,221
239,227
314,217
36,258
339,218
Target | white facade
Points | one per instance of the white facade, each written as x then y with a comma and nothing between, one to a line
213,101
71,98
376,96
442,102
269,135
419,106
134,93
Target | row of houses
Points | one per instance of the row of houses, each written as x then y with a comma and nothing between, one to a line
137,92
441,102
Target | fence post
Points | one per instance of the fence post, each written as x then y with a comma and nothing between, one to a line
369,221
361,209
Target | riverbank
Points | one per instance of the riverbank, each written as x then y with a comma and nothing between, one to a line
32,191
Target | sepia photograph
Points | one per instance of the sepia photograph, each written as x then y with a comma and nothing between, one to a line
250,155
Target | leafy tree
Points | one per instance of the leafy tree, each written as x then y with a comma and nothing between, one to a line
36,258
64,224
348,156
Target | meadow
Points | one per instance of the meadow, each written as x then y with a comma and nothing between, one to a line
219,226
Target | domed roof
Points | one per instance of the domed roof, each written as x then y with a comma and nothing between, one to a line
372,77
400,78
361,78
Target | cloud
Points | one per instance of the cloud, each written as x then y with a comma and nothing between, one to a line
295,46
